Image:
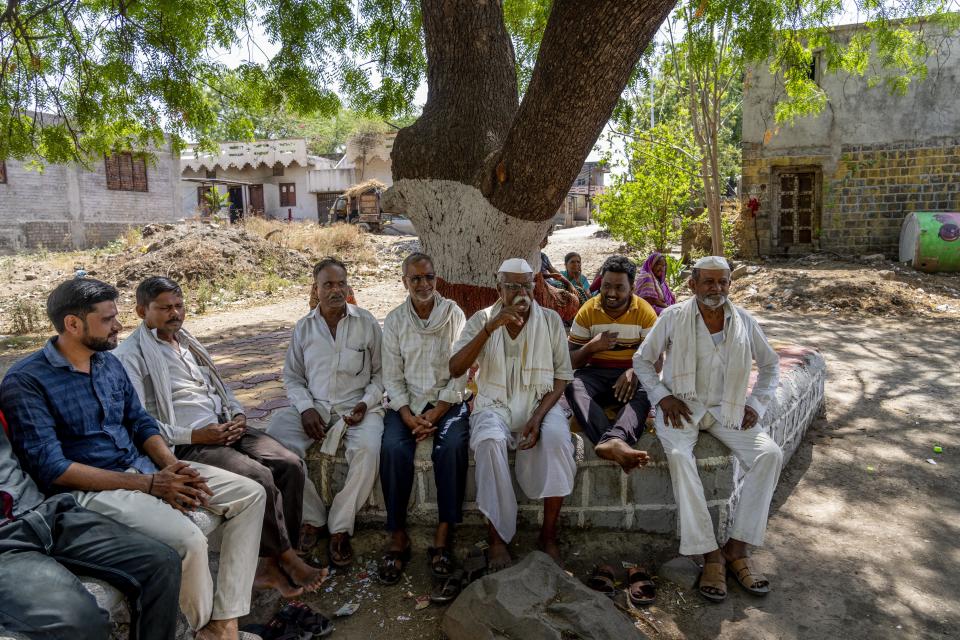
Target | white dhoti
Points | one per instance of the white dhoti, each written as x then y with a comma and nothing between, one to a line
545,471
239,500
755,450
362,451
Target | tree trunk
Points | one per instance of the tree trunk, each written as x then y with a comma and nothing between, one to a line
482,177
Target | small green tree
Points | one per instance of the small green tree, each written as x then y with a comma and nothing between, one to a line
646,206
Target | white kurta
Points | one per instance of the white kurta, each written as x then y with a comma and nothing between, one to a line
332,375
548,469
754,448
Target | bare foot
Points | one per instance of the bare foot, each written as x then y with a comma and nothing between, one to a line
219,630
623,454
551,547
310,578
499,556
269,576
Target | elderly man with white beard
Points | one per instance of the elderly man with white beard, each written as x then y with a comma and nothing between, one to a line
710,345
524,366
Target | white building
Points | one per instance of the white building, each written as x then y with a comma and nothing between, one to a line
278,178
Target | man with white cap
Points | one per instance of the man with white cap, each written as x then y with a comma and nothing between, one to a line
524,366
710,346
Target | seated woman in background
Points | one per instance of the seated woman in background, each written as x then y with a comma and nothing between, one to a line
581,285
651,283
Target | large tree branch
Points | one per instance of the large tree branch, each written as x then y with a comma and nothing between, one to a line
471,93
586,56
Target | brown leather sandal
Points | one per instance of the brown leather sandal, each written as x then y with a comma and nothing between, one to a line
714,578
749,578
602,580
640,587
341,554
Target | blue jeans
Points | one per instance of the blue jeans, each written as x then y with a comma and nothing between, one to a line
41,597
451,444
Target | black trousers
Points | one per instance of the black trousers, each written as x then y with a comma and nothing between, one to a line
41,596
591,391
278,470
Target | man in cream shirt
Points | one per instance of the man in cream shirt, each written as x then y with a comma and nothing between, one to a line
333,379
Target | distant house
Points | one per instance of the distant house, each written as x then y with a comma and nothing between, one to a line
844,180
278,178
69,206
579,205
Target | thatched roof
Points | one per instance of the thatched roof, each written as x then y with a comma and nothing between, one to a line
363,187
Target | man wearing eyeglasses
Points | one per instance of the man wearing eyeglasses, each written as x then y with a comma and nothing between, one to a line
426,403
521,349
333,381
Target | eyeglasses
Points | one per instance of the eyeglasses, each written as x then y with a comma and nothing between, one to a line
429,277
514,287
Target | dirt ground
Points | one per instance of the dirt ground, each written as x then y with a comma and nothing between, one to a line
862,538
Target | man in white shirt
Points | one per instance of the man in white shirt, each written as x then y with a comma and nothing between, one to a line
198,414
425,402
709,346
521,349
333,379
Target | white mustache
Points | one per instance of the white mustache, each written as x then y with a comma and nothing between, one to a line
522,300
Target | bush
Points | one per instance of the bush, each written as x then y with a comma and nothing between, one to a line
26,317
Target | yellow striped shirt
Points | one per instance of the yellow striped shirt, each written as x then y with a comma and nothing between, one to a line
631,327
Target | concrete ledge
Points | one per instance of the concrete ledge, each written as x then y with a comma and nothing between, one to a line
604,497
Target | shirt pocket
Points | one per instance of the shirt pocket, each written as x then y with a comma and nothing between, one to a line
353,360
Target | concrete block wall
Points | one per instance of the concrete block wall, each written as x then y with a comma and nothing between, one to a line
866,190
604,497
70,207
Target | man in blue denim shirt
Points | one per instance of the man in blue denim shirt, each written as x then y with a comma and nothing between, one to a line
44,542
77,425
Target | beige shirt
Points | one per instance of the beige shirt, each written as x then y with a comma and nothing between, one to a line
415,363
333,374
195,401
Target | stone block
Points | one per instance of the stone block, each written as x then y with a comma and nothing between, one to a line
606,487
650,485
661,520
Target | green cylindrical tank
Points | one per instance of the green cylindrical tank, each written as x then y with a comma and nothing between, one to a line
930,241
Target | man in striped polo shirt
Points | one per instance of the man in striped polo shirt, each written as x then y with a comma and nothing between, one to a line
605,334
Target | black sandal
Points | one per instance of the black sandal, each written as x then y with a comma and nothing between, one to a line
602,579
340,551
305,619
441,561
274,630
392,565
447,589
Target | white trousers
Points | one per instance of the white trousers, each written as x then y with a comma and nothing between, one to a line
362,451
545,471
755,450
240,501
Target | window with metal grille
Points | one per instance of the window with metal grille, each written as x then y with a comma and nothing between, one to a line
278,169
288,194
126,172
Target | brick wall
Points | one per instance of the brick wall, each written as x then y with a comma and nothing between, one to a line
865,192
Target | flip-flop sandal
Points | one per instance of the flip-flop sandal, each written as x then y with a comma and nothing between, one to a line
441,561
305,619
392,565
713,576
341,554
474,565
447,589
641,590
748,578
602,580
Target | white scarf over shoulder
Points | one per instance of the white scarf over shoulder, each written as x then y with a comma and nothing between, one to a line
736,377
536,359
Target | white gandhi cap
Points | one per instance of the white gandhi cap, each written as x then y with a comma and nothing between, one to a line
712,262
515,265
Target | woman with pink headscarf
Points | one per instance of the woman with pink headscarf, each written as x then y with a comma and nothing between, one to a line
651,283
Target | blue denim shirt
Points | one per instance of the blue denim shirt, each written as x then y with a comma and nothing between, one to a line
59,415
